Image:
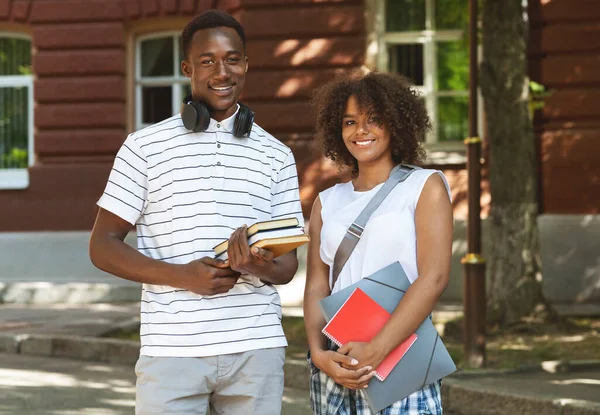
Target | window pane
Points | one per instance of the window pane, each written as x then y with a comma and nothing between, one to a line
14,127
181,54
451,14
453,118
157,57
453,66
156,104
407,59
405,15
15,56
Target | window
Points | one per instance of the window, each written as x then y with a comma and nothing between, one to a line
16,111
160,87
426,40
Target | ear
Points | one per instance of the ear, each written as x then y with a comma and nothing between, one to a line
246,59
186,69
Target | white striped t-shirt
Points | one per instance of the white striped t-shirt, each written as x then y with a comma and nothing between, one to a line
186,192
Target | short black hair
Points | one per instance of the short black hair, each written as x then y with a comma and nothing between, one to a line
210,19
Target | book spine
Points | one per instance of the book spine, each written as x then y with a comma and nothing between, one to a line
330,337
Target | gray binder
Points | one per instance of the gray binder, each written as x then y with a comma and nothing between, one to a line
425,362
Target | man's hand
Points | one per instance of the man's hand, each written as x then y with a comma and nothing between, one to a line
365,354
209,276
245,260
331,363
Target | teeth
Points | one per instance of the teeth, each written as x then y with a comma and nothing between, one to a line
363,143
222,88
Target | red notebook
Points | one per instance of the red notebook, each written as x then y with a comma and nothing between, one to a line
359,319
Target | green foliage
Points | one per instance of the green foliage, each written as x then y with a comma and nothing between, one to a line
537,95
15,158
15,56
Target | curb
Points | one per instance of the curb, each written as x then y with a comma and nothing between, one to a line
72,347
457,397
126,352
68,293
550,366
466,400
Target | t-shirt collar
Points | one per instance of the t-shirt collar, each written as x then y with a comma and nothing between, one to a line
224,125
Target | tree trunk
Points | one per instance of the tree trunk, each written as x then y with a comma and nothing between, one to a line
514,263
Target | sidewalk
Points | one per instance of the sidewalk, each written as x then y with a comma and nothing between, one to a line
56,336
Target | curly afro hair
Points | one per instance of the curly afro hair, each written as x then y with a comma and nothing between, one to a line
390,97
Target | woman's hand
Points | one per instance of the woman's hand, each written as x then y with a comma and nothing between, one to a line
331,362
365,354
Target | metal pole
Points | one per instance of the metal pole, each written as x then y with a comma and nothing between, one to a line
474,298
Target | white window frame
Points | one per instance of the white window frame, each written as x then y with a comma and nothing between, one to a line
177,79
378,41
19,178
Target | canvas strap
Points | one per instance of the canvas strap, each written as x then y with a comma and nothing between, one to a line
355,230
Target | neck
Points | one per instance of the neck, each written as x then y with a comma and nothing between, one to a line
371,175
220,115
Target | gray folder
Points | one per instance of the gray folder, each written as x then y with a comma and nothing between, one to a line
425,362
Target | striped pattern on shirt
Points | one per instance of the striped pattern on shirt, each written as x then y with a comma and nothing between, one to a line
186,192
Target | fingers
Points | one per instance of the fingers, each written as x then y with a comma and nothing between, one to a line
213,262
364,380
343,359
263,254
238,250
224,283
220,268
345,348
355,379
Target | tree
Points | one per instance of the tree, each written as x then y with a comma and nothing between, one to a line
514,263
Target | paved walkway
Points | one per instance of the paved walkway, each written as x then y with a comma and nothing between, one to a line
54,364
52,386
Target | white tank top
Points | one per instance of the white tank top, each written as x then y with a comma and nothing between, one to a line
390,232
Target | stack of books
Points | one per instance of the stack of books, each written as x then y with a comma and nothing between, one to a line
278,236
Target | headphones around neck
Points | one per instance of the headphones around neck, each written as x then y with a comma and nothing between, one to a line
196,117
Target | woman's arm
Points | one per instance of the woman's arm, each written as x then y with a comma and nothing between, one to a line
317,284
433,223
317,288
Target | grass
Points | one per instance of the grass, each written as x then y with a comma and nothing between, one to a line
571,339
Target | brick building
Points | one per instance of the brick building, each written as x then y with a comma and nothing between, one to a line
77,75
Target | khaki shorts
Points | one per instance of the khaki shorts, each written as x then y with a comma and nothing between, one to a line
242,383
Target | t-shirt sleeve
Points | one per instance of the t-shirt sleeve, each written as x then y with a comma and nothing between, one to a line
286,195
126,191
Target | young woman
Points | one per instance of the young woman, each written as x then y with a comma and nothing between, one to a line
372,123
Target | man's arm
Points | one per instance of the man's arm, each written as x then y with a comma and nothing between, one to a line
110,253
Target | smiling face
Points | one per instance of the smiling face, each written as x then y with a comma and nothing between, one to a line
365,136
216,65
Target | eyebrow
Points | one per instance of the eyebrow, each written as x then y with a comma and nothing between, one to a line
229,52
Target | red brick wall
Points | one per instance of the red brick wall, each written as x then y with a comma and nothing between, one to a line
295,46
80,93
565,57
80,63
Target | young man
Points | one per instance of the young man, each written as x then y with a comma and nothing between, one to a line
211,331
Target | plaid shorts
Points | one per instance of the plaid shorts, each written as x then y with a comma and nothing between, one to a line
329,398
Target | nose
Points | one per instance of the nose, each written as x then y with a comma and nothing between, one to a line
363,128
221,71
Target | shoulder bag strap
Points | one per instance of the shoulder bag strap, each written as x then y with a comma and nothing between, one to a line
355,230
